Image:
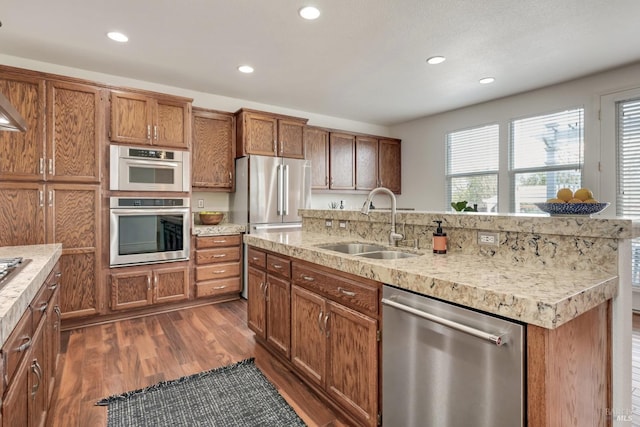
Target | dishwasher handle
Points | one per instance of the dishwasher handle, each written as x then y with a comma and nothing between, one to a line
496,339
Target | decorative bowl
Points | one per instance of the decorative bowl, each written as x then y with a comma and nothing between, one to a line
211,218
572,208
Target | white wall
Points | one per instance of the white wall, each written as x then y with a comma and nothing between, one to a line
423,140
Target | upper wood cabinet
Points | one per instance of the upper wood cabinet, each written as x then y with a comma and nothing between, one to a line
22,153
75,119
366,163
316,143
269,134
213,150
342,161
389,165
144,119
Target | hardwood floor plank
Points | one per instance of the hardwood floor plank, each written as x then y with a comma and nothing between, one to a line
102,360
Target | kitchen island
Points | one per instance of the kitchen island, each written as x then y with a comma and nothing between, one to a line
559,276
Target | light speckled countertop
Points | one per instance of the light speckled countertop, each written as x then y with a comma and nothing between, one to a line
542,296
22,287
216,230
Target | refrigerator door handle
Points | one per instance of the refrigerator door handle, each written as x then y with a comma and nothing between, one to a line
280,190
285,187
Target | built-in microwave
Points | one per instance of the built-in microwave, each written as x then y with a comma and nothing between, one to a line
148,230
148,169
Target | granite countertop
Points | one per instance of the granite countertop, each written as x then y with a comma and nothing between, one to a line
216,230
22,287
542,296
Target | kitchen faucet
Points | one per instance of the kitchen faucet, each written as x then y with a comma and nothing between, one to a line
393,236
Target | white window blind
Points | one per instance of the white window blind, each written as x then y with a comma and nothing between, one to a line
546,155
472,167
628,199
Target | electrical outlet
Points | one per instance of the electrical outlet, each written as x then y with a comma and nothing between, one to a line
342,224
488,238
201,203
328,223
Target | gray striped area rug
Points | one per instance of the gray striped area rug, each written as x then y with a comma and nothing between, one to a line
234,395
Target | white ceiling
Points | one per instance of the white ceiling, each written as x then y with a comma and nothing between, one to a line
362,60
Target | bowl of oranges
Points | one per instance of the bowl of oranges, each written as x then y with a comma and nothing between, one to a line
569,202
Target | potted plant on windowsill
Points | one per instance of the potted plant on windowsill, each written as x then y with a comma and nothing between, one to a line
462,207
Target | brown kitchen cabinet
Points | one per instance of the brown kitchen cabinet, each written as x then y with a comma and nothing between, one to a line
342,161
335,338
133,287
269,295
218,268
389,166
22,216
316,141
75,119
366,165
23,152
145,119
269,134
213,150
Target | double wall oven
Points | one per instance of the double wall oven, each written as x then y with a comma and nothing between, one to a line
146,228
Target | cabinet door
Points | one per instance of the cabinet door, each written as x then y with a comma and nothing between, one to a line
74,126
366,163
342,161
390,165
260,133
131,289
22,153
317,150
279,314
213,147
131,118
15,406
291,140
171,127
21,213
38,381
352,373
170,284
73,220
256,308
308,340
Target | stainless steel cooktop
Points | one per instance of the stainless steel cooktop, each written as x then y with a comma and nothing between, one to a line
10,266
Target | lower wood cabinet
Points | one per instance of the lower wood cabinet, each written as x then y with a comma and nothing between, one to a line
218,265
29,356
133,287
323,324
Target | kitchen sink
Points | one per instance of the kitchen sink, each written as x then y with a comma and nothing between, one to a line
352,248
387,255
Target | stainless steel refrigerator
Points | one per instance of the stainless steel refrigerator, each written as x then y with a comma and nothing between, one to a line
269,192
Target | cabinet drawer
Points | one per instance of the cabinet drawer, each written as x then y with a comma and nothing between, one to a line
217,271
216,255
361,297
280,266
257,258
17,345
39,306
218,287
217,241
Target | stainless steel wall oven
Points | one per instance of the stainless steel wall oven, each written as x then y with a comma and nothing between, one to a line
148,230
145,169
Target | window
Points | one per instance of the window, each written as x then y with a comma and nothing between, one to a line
628,200
472,167
546,155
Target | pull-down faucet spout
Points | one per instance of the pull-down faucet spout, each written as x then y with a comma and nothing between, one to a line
393,236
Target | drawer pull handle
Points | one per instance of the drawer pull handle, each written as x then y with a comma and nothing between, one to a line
320,321
255,259
37,370
346,292
326,319
220,241
220,256
308,278
53,286
25,346
58,274
43,307
276,266
219,287
219,271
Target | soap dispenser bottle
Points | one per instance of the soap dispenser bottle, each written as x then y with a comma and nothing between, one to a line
439,240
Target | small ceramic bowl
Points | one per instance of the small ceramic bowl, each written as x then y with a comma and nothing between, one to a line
211,218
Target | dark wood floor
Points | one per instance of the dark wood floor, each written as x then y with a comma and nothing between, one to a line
102,360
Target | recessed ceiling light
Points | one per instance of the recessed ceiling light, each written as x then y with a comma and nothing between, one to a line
247,69
309,13
118,37
487,80
436,60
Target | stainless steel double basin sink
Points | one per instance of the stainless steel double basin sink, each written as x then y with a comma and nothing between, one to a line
367,250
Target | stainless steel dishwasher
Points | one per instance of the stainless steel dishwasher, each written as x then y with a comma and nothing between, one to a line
448,366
